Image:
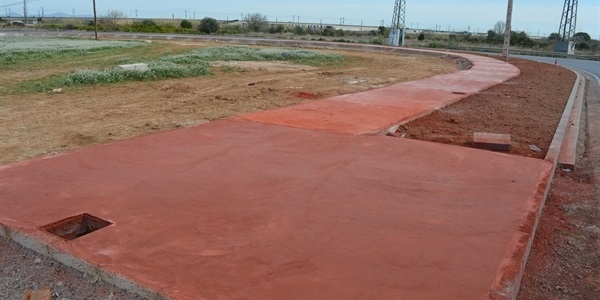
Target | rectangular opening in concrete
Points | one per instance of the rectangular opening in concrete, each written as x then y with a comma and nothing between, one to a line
76,226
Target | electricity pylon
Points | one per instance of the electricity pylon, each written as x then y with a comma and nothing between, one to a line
398,24
568,24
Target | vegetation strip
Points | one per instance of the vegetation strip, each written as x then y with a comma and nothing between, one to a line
16,50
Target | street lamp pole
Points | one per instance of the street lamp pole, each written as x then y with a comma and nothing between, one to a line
508,30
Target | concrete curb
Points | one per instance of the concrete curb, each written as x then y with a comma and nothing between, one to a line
568,153
509,277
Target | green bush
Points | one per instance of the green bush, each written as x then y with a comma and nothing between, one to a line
208,26
328,31
298,30
185,24
277,29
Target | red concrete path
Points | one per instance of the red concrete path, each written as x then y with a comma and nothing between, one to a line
247,208
373,112
237,209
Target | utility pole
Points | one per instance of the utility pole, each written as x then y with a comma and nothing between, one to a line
25,10
506,47
95,22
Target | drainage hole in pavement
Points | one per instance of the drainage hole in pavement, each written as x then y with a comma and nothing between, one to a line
76,226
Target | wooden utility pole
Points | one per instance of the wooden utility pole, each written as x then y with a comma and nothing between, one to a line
95,22
25,10
508,30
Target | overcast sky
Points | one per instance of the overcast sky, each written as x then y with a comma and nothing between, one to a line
532,16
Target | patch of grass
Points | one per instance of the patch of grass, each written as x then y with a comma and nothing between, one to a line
157,70
231,53
23,50
173,65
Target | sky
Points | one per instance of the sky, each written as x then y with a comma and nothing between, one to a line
535,17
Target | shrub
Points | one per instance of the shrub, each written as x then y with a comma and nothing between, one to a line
298,30
69,26
185,24
421,37
147,22
208,26
436,45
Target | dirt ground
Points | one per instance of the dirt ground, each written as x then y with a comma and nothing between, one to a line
565,257
564,262
34,125
528,108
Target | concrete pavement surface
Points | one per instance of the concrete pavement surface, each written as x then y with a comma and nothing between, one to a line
239,209
246,209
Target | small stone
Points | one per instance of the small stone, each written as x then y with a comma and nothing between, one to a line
43,294
57,90
535,148
37,260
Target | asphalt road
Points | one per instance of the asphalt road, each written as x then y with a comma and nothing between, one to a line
591,67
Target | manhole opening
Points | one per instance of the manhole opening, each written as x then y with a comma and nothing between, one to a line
76,226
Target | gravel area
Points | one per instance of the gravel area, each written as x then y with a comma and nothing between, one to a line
23,270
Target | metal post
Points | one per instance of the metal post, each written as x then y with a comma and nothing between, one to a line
397,30
507,32
568,25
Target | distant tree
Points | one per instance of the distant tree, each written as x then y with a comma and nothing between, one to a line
113,19
421,37
185,24
328,31
584,36
582,46
499,28
208,25
554,37
255,21
381,30
491,35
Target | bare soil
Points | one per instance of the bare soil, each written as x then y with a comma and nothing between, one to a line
528,107
564,262
565,257
34,125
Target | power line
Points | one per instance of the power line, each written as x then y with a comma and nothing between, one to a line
18,3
